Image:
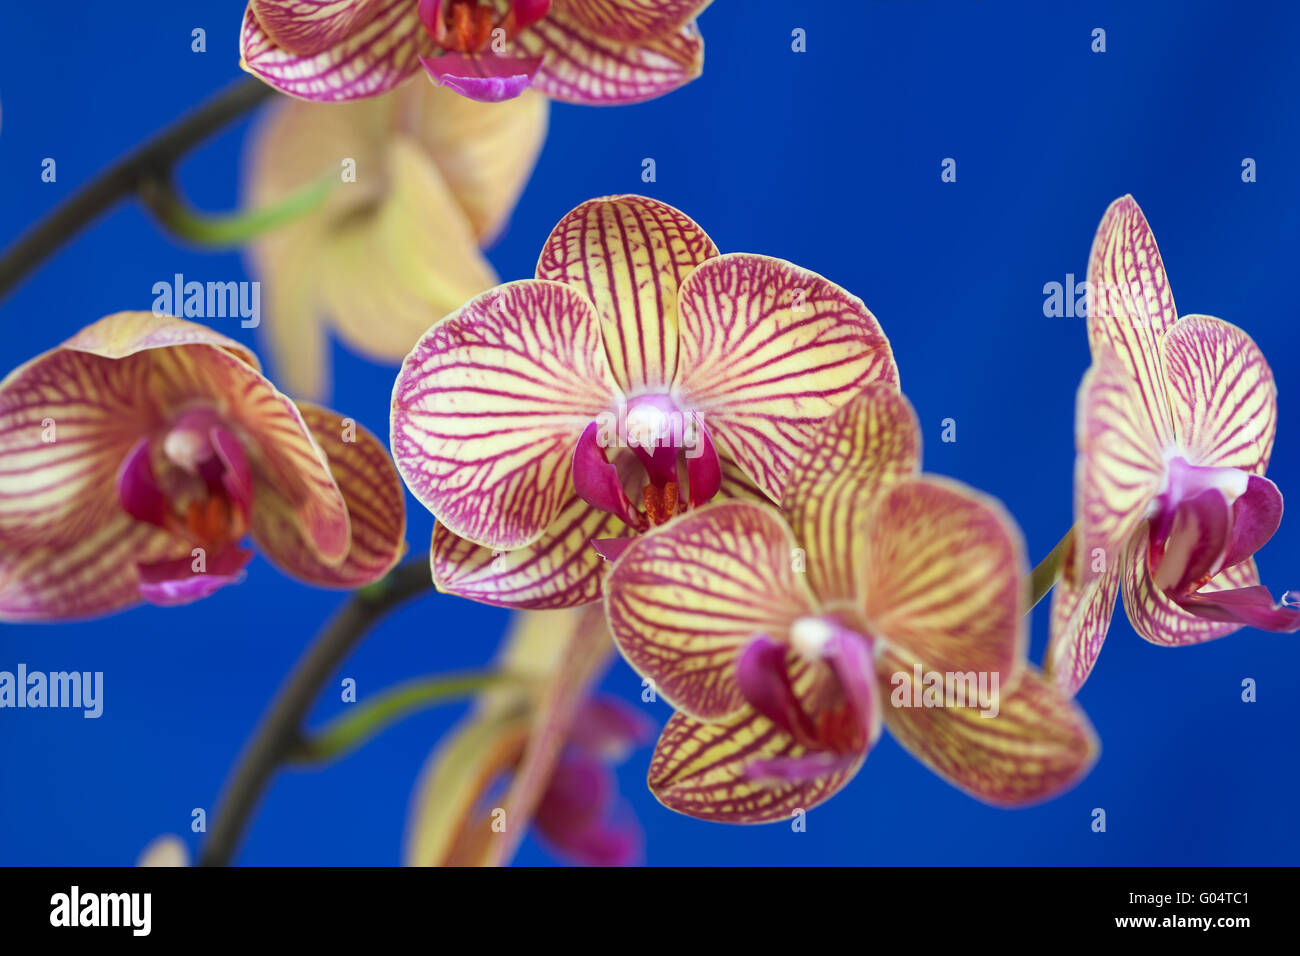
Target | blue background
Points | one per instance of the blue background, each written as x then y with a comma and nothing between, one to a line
829,158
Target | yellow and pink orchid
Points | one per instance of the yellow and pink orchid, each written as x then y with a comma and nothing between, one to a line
778,635
136,456
699,373
1176,418
432,177
543,745
580,51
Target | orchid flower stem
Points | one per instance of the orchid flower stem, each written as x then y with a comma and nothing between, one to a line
280,733
1044,576
231,229
153,159
346,733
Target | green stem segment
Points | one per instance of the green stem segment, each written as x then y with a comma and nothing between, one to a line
346,733
1049,569
230,229
280,733
151,161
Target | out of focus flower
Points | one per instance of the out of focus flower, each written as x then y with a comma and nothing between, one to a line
166,850
778,650
536,752
136,456
639,374
580,51
1175,426
428,177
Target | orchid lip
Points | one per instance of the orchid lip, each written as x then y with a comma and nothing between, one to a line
658,435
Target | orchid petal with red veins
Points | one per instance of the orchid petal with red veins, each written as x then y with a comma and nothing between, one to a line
377,54
943,577
308,27
372,491
1038,746
1080,619
562,568
1132,307
769,351
629,255
872,441
489,406
487,79
684,601
631,21
580,66
710,770
1222,394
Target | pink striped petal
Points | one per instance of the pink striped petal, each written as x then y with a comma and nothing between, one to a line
1080,619
1120,466
685,599
630,21
944,577
768,352
869,443
372,59
715,771
485,78
1157,618
376,509
308,27
1039,744
581,66
1222,394
562,568
1132,307
489,406
629,255
92,576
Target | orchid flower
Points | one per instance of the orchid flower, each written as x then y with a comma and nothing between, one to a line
599,52
778,636
1175,426
136,456
698,373
429,178
535,751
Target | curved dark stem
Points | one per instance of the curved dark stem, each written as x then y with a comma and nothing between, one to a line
281,730
151,161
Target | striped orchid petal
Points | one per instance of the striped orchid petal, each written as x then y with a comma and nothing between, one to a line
371,59
1120,465
706,770
1132,307
629,255
1222,394
89,577
1080,619
1158,618
944,578
631,21
308,27
489,405
869,443
1039,744
768,352
581,66
559,569
684,600
376,508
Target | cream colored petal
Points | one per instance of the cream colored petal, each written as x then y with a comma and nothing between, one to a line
390,274
485,151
